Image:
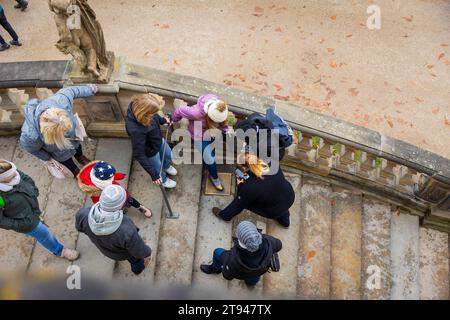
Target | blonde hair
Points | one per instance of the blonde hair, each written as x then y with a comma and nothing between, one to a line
256,165
54,123
220,106
5,166
145,106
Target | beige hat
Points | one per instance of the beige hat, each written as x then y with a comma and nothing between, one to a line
214,113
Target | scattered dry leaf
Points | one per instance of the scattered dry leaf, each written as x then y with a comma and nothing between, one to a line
278,29
333,64
441,56
330,50
175,62
278,86
419,100
353,92
390,123
349,35
258,12
435,110
333,18
311,254
409,19
430,66
285,98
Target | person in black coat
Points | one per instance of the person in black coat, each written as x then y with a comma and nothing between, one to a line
149,147
268,195
249,258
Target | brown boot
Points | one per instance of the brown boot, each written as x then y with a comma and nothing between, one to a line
83,160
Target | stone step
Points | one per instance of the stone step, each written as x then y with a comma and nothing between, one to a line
174,262
92,262
66,200
434,265
212,233
404,256
149,195
376,250
280,284
17,248
346,232
314,267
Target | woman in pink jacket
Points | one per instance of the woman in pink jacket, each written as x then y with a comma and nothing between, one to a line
210,113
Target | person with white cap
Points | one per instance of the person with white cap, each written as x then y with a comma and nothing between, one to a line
249,258
210,113
19,210
112,232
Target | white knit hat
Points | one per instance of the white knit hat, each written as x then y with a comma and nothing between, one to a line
215,115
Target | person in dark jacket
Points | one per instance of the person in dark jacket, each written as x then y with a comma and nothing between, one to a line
19,210
7,26
112,232
249,258
267,195
149,147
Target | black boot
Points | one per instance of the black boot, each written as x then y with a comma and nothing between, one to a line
22,4
4,47
208,269
15,43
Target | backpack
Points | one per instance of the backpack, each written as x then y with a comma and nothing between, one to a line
286,133
270,121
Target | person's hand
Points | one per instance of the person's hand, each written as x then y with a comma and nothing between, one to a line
239,181
158,181
147,261
94,88
168,120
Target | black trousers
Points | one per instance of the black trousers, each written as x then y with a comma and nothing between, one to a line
5,24
70,164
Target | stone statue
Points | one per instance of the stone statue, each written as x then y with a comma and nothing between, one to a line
81,36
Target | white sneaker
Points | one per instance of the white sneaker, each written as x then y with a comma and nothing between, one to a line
172,171
169,184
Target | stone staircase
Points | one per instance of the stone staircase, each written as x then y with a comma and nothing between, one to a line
342,243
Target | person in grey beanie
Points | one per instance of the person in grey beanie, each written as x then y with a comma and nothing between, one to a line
112,232
249,258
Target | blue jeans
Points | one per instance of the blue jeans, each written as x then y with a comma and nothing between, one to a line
43,235
157,158
217,266
208,156
137,265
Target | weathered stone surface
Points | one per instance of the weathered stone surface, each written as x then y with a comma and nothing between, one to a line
404,256
314,265
346,245
92,262
376,250
65,198
7,147
212,233
177,242
280,284
434,265
149,195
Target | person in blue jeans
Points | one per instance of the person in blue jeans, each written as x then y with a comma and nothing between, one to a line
19,210
7,26
249,258
150,149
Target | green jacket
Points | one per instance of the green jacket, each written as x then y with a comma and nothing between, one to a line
21,207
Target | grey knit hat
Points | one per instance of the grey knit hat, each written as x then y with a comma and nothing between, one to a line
249,236
113,198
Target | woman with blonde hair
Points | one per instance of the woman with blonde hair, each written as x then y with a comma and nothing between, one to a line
265,194
51,130
149,147
211,113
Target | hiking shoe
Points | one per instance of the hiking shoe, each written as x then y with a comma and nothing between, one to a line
70,254
172,171
169,184
217,184
208,269
145,211
4,47
15,43
83,160
216,211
